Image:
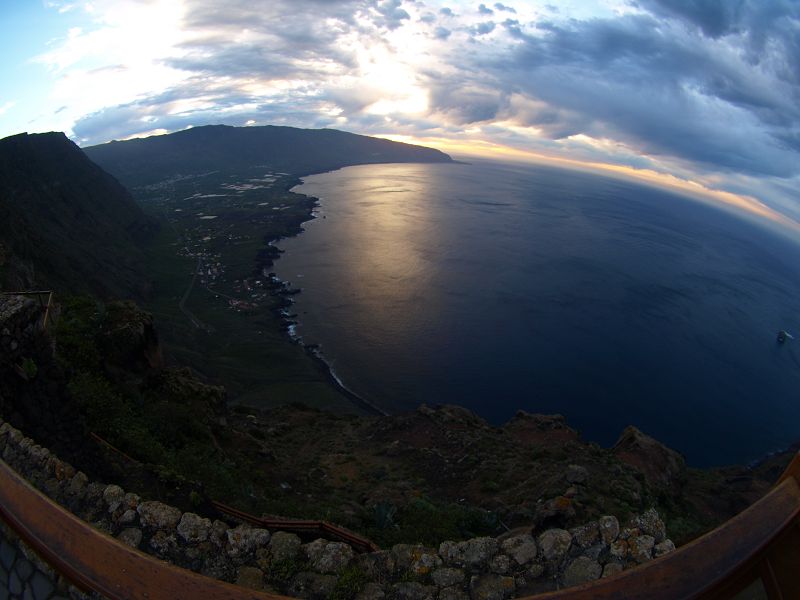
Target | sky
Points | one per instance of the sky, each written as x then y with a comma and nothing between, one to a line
692,94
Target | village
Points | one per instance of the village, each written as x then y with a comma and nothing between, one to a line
218,225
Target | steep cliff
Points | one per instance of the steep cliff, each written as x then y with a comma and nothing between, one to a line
66,223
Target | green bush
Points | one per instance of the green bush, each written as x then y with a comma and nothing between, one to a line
351,581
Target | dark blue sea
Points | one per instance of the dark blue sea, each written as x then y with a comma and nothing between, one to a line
505,287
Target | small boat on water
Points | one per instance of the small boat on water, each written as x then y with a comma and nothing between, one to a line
783,336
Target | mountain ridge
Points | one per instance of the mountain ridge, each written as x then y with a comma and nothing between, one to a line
292,150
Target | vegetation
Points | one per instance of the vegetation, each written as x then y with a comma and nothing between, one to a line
165,419
351,581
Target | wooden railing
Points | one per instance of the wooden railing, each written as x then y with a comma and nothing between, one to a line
96,562
757,553
40,296
305,527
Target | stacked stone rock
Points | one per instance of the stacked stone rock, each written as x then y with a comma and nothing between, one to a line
482,568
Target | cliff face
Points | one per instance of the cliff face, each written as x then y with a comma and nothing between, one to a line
220,147
66,223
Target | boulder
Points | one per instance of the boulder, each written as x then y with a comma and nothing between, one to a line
609,528
250,577
313,586
586,536
474,553
651,524
284,546
611,568
328,557
244,539
194,528
521,548
131,536
641,548
581,570
157,515
371,591
491,587
446,577
663,548
413,590
554,544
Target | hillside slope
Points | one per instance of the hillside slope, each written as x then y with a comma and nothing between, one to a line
66,223
221,147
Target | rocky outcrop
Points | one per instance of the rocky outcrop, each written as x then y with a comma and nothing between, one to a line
661,466
129,340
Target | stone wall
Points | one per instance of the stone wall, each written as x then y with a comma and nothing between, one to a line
481,568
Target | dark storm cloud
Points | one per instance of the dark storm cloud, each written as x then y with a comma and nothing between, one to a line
717,18
485,10
654,85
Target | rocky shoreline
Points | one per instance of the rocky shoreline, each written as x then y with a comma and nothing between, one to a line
282,291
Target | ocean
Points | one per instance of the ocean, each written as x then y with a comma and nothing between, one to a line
504,287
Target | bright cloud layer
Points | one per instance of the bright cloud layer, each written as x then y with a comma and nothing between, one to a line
708,93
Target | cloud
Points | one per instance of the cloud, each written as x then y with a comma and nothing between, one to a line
484,28
392,13
709,91
502,7
699,103
442,33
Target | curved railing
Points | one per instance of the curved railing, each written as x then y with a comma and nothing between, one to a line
756,551
97,562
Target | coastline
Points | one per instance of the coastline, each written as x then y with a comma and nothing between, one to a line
280,290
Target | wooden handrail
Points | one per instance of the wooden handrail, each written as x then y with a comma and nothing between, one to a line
38,294
95,561
320,528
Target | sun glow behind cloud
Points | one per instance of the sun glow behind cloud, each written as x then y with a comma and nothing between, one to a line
108,63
